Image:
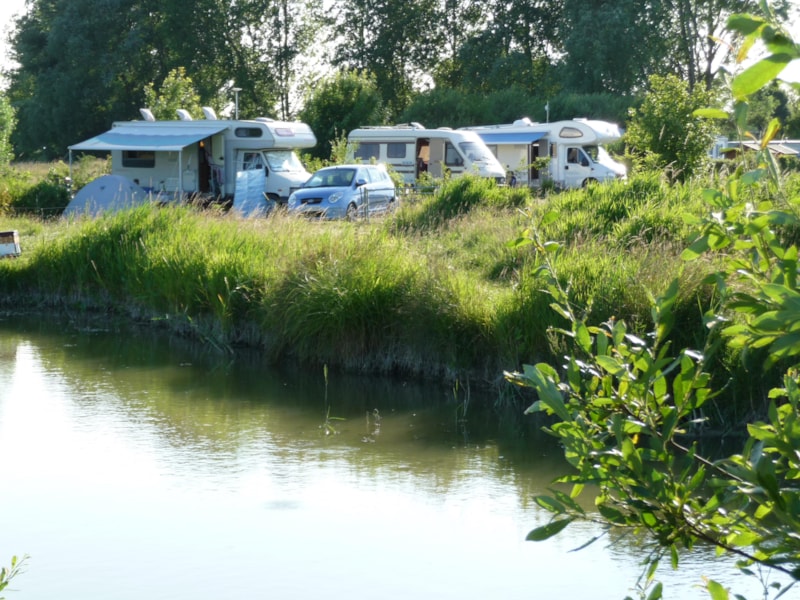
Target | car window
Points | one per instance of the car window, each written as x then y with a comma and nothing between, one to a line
344,177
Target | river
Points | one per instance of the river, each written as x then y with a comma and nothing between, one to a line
135,465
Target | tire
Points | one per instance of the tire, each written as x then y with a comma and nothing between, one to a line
352,212
588,182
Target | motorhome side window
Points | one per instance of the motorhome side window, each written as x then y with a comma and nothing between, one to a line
367,151
570,132
451,156
143,159
396,150
577,156
248,132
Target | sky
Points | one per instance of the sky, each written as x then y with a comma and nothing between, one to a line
11,8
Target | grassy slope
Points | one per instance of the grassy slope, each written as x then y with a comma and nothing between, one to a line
436,289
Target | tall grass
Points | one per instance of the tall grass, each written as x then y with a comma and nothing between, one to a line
435,289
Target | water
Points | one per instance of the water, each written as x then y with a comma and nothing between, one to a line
134,466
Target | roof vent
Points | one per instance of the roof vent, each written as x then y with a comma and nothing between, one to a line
209,113
524,121
183,114
147,114
264,120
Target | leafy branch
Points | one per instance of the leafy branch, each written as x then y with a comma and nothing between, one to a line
628,411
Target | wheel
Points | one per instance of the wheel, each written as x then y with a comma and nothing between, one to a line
588,182
352,212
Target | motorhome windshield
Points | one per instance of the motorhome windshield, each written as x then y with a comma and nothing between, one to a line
283,160
592,151
475,152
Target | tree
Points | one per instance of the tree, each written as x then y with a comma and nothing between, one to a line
613,48
625,406
664,132
79,69
395,40
7,123
339,104
177,91
82,68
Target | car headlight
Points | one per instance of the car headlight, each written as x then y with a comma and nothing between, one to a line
292,200
335,197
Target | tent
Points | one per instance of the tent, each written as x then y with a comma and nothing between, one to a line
107,193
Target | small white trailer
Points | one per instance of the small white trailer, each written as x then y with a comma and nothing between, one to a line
573,149
413,150
187,157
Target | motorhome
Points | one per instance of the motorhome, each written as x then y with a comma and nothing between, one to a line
412,150
573,149
206,156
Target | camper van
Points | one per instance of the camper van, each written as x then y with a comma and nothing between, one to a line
413,150
186,157
574,148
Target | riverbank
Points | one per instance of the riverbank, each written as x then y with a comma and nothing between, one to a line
437,289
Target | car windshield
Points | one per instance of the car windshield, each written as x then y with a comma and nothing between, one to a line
283,160
331,178
475,152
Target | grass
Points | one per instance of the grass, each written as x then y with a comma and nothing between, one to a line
433,290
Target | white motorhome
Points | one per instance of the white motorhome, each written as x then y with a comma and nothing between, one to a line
412,150
187,157
574,148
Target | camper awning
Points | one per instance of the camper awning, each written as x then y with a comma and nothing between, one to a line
508,137
168,139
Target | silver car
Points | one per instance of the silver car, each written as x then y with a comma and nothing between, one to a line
345,192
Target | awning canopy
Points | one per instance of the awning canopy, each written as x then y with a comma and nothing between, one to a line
509,137
166,139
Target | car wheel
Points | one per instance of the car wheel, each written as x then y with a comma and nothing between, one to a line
352,212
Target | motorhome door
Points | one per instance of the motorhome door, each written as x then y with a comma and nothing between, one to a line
577,167
436,157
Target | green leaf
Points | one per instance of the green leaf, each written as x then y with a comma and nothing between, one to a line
612,515
582,337
758,75
545,532
711,113
745,24
696,249
610,364
657,592
716,590
550,217
550,504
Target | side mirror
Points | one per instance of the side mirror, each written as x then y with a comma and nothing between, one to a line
361,182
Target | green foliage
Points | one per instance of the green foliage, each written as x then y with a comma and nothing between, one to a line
8,573
337,105
663,131
626,406
176,91
449,107
7,124
600,58
391,40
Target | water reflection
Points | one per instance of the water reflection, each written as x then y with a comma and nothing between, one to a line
137,466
